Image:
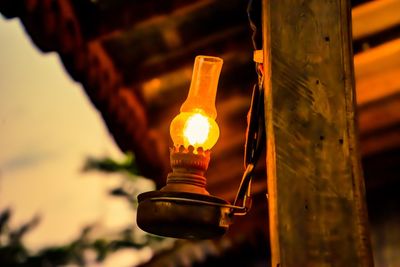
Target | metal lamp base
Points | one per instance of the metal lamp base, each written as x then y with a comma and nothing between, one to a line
183,208
183,215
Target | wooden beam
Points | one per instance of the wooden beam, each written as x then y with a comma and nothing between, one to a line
379,115
158,21
315,184
377,86
177,37
105,18
381,141
377,72
379,124
378,59
375,16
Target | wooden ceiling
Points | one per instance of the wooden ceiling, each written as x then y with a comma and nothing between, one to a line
134,60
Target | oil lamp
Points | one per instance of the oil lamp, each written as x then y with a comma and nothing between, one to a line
183,208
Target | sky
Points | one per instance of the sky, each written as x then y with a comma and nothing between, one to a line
48,127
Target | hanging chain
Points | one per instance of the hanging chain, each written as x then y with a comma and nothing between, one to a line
255,133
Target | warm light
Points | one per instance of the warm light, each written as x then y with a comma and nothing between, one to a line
196,129
196,125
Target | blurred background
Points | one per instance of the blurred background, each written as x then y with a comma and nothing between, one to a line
87,91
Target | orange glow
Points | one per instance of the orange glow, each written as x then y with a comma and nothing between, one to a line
196,129
195,125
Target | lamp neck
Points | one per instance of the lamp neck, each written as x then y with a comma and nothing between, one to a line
188,168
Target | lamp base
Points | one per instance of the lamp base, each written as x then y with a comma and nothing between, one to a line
183,215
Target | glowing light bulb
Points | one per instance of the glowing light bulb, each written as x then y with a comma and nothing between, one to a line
196,125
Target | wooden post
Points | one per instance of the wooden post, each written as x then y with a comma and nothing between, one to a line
315,183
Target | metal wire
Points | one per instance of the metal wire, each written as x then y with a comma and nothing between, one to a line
252,24
255,133
255,126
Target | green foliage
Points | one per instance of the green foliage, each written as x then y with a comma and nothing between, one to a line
109,165
128,189
13,252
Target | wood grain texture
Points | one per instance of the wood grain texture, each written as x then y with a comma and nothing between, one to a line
317,205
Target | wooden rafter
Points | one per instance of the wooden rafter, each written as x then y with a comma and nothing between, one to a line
377,72
375,16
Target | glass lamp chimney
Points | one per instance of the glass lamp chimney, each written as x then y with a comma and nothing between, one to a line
195,125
